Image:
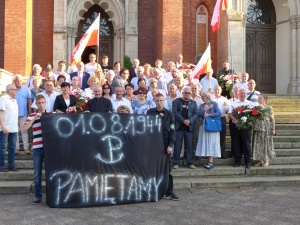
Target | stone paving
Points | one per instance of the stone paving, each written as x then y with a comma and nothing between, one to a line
250,205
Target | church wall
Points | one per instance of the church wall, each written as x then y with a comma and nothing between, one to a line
2,7
43,13
147,31
283,47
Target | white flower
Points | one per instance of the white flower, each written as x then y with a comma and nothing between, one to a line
250,106
229,82
244,119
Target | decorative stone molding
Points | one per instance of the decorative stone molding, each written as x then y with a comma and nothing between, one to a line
294,22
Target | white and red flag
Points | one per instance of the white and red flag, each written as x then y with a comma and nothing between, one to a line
204,64
90,38
215,21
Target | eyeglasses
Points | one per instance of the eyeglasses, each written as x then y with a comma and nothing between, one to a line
187,93
142,93
123,109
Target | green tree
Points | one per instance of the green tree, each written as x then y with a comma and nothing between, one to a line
127,62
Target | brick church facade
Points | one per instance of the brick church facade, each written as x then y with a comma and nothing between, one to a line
260,37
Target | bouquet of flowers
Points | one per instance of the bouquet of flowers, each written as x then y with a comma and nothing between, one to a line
225,81
71,109
186,67
248,114
81,100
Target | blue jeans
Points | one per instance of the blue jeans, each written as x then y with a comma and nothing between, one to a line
11,139
38,158
189,142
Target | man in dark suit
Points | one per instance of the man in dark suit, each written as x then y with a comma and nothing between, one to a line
133,71
121,81
82,76
186,112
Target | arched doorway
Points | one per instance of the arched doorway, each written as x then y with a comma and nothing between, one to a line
261,44
106,34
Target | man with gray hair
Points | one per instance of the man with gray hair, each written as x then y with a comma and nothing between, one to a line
8,127
24,101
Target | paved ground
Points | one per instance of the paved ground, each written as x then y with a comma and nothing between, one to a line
272,205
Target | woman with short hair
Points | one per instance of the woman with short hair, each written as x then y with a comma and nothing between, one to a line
141,105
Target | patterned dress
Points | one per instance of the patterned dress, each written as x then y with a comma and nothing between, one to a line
262,141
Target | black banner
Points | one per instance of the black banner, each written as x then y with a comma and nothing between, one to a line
96,159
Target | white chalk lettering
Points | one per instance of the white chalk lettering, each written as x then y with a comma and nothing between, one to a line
77,180
116,127
64,125
101,122
59,186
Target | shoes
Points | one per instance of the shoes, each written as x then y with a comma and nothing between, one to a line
248,165
236,164
192,167
176,166
13,169
258,163
17,151
265,164
172,196
27,151
209,165
36,201
3,170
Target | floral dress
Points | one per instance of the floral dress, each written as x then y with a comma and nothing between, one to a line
262,141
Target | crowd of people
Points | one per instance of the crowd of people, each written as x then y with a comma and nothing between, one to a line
187,101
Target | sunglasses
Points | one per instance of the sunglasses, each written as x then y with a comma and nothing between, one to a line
142,93
187,93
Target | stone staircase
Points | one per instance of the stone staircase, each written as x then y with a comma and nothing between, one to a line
284,170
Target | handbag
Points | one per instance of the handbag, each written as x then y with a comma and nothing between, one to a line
213,124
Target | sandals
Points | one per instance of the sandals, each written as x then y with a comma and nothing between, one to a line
209,165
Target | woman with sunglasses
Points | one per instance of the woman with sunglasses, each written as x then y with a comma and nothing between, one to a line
129,92
141,105
106,91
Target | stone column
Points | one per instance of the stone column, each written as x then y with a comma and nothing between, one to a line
292,87
236,35
71,35
131,29
18,36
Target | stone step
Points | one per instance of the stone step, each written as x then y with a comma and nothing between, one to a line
277,145
287,152
229,171
277,138
17,187
241,181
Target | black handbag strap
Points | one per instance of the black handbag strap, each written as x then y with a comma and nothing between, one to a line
249,97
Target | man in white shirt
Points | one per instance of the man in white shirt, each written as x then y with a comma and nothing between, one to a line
92,65
240,139
119,100
244,81
208,82
168,75
223,104
50,96
61,71
36,72
8,127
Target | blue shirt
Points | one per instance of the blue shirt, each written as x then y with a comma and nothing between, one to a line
208,83
141,108
23,94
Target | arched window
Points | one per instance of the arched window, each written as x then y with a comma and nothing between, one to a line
260,12
201,31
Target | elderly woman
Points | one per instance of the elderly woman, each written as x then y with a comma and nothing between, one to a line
263,132
110,77
65,100
36,87
141,105
208,142
252,94
91,82
36,72
129,92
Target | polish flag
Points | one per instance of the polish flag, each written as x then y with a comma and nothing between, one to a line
215,21
90,38
204,64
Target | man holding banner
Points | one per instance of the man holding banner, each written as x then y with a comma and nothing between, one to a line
168,123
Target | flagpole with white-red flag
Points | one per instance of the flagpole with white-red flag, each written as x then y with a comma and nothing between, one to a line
90,38
204,64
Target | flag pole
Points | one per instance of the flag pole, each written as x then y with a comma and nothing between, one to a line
97,46
230,53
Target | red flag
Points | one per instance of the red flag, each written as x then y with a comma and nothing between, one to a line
90,38
204,64
215,21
